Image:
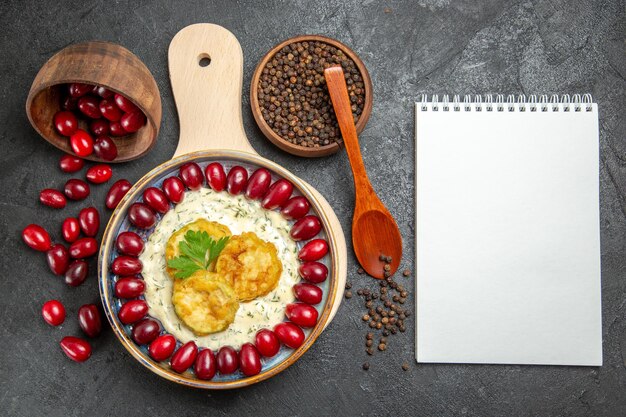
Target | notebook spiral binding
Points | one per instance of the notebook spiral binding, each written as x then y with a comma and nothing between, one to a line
512,103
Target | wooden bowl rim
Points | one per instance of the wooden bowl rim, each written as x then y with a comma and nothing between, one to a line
108,239
41,88
276,139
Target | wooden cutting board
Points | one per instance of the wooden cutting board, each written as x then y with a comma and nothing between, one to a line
206,72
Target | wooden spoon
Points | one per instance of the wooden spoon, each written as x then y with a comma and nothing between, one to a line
374,231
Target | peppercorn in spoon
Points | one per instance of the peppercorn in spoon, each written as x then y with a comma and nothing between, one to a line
375,234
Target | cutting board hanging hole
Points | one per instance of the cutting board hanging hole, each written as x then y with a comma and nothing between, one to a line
204,60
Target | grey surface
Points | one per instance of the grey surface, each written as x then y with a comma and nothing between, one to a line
409,47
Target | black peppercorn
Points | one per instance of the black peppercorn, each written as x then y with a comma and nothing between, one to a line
293,97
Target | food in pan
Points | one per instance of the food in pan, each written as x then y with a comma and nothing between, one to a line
214,230
239,215
251,265
246,267
218,271
204,303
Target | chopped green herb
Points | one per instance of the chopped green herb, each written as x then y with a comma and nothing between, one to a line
198,250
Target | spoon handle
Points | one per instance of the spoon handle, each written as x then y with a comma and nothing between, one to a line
338,91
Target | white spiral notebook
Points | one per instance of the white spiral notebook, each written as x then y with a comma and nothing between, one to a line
507,231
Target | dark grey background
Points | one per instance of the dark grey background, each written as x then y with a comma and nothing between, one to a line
409,47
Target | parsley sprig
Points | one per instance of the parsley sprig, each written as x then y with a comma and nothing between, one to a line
198,250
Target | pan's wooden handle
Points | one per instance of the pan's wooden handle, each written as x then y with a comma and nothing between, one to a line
206,72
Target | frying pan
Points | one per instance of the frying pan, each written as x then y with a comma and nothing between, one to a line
208,99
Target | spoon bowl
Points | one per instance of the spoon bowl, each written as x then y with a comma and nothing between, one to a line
381,233
374,231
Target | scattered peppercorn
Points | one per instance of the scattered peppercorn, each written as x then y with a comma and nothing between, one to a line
360,271
348,285
293,97
406,272
366,366
405,366
386,316
348,294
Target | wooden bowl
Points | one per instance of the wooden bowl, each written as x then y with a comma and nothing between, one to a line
278,140
105,64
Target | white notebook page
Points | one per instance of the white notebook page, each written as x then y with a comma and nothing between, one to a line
508,243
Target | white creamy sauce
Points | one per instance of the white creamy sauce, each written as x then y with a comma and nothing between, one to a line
240,215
